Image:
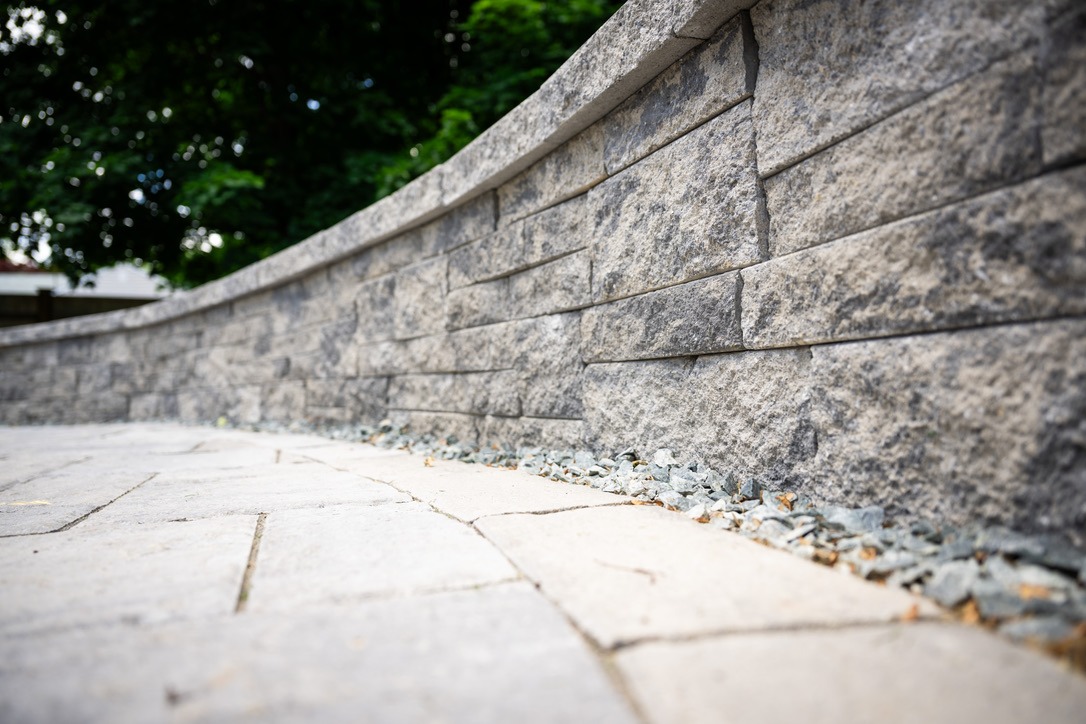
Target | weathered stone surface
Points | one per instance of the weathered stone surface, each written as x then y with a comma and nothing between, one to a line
533,431
1014,254
546,355
479,393
489,656
364,397
745,412
468,350
283,401
693,318
973,425
689,209
821,80
307,555
419,299
146,574
711,78
153,406
700,18
558,286
376,309
461,426
1063,135
964,674
971,137
48,501
547,235
646,576
569,170
483,303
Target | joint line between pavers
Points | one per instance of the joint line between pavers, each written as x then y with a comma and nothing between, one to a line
554,510
250,565
68,526
48,471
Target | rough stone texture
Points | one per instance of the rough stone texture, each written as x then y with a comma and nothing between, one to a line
1014,254
448,425
1064,62
708,80
694,318
419,299
953,424
468,492
964,674
822,79
645,576
569,170
690,209
377,309
480,393
488,657
145,574
746,412
700,18
969,138
546,357
405,548
516,432
547,235
559,286
363,397
484,303
477,349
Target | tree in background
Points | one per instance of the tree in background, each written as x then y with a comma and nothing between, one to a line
197,137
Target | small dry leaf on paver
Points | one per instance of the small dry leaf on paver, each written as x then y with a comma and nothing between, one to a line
787,500
825,557
869,554
29,502
428,461
913,614
970,612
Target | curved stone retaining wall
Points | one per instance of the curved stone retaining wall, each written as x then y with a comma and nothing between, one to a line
839,246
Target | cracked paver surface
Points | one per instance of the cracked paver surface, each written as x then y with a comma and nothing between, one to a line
157,572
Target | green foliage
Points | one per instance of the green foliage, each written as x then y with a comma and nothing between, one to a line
197,137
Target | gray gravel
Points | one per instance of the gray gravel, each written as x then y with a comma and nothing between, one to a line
1031,587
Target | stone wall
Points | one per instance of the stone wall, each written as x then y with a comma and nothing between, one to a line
839,246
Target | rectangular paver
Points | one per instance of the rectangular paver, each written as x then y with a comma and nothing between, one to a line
925,673
634,572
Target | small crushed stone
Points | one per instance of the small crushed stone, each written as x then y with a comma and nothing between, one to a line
1028,587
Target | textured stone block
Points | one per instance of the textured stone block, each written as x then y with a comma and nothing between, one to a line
745,412
533,431
467,350
419,299
558,286
711,78
567,171
376,309
483,303
974,136
546,355
366,398
547,235
700,18
690,209
479,393
693,318
822,79
1014,254
445,425
980,425
1063,134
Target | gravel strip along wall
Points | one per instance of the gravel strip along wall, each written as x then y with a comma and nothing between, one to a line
838,247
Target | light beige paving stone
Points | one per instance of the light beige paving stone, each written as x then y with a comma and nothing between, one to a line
51,501
344,553
634,572
148,573
925,673
499,655
468,492
259,489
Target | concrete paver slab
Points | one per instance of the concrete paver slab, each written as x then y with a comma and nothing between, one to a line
51,501
251,490
927,673
493,656
347,552
134,573
469,492
633,572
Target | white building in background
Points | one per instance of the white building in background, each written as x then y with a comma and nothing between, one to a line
124,281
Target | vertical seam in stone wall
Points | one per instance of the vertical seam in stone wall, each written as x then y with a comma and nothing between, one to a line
753,65
739,282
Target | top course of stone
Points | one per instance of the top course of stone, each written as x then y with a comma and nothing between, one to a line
641,39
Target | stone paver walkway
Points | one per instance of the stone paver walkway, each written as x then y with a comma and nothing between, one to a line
169,573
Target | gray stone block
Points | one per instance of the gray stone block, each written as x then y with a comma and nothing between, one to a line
283,401
546,355
366,398
967,139
483,303
1063,134
542,237
569,170
468,350
746,412
479,393
534,431
1014,254
690,209
700,18
979,425
444,425
419,299
558,286
709,79
688,319
821,79
375,304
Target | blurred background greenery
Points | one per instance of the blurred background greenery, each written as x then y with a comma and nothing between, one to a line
193,138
